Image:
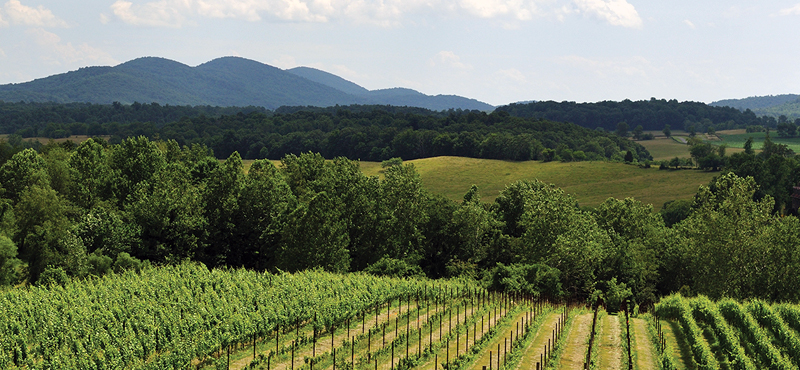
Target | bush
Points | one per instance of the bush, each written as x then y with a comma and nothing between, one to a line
534,279
126,262
396,161
394,268
53,276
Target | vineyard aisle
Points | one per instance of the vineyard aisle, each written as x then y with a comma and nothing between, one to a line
645,359
609,342
574,354
441,353
681,351
536,346
499,338
245,356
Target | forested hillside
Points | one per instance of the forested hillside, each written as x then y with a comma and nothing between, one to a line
772,105
756,102
227,81
652,115
357,132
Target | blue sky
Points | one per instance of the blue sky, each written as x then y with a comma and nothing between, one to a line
497,51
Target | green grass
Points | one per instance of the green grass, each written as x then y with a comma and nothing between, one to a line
590,182
737,138
664,148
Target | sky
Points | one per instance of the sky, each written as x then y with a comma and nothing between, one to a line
496,51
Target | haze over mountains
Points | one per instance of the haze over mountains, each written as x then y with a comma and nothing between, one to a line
227,81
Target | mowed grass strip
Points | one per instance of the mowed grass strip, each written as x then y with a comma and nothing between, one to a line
574,354
609,342
534,350
674,336
645,352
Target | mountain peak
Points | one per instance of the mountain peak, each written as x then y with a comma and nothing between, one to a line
225,81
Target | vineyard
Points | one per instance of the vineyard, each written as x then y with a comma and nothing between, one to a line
189,317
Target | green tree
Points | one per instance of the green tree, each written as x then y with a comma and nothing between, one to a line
133,161
221,199
91,174
748,146
315,235
622,129
44,237
169,210
403,199
9,263
23,170
667,130
638,237
726,233
637,132
266,201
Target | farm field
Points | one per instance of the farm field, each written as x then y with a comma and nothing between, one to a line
737,138
590,182
187,317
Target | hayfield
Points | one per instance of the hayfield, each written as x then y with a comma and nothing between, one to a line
590,182
737,138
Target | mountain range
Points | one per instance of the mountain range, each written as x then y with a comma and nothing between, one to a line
227,81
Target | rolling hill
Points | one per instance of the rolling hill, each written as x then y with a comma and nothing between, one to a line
394,96
227,81
770,105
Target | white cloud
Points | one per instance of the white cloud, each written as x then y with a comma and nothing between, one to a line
3,23
174,13
512,75
615,12
40,16
385,13
795,10
2,53
284,62
155,14
60,53
689,23
448,59
612,68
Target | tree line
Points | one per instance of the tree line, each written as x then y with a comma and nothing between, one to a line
373,133
652,115
98,207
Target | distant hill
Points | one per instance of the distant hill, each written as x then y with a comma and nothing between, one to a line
228,81
651,114
756,102
394,96
770,105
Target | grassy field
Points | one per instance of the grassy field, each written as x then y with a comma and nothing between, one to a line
664,148
590,182
737,138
